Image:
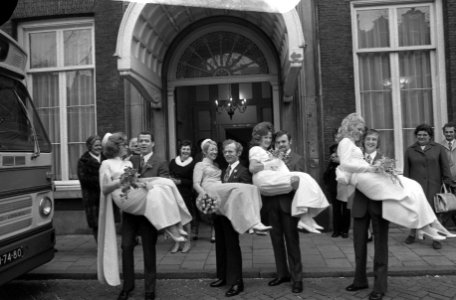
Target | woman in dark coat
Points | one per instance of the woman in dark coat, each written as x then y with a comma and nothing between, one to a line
181,171
426,162
88,175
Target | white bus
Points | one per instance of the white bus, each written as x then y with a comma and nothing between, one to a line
27,236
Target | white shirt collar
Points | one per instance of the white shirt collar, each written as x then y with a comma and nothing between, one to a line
233,166
372,155
98,158
148,156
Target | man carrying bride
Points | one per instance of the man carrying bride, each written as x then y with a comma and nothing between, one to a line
404,202
272,176
149,203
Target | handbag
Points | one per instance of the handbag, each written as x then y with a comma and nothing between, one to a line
444,201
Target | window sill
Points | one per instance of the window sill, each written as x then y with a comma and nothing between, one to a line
69,189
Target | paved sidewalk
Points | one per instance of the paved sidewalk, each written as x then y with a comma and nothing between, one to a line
322,256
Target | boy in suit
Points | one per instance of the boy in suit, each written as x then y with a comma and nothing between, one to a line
227,250
363,211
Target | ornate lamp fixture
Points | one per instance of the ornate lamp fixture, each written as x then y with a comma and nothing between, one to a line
230,106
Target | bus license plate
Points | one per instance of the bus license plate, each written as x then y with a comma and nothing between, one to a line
11,256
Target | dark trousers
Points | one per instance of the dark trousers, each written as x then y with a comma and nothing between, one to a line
227,251
131,227
380,230
341,217
285,243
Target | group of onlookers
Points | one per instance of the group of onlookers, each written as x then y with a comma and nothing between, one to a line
290,199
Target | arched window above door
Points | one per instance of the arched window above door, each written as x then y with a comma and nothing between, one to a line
221,53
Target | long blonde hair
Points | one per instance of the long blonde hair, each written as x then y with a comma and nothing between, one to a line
348,125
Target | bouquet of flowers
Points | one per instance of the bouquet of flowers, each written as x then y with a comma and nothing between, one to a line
279,153
129,179
387,166
207,204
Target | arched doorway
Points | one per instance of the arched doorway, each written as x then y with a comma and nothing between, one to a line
147,37
221,60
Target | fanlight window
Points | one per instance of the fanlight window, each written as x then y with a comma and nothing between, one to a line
221,54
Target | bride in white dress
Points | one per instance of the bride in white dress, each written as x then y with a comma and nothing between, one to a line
272,177
156,198
404,203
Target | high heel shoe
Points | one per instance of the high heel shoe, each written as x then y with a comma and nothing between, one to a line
261,227
429,232
307,227
175,248
175,236
315,225
442,230
187,247
182,232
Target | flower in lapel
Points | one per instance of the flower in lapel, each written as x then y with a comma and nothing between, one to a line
234,173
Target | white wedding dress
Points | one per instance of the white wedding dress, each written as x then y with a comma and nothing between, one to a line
404,205
308,199
160,202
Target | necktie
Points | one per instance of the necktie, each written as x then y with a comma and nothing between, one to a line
449,145
369,159
227,174
141,163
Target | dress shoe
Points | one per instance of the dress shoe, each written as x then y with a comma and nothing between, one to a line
218,283
376,296
304,224
175,248
354,288
235,289
335,234
436,245
296,287
429,232
124,295
410,239
278,280
344,235
149,296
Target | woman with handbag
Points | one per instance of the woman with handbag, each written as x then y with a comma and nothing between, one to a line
426,162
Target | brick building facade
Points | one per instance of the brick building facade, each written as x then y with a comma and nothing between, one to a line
312,79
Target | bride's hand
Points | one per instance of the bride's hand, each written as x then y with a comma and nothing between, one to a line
373,169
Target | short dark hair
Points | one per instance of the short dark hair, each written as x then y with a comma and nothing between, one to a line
112,147
238,145
146,132
425,127
282,132
371,132
185,143
91,140
449,124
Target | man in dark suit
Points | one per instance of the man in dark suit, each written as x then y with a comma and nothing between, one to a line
148,165
284,234
227,250
363,211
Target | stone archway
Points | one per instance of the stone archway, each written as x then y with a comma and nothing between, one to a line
147,31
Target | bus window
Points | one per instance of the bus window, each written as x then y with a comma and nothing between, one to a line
16,131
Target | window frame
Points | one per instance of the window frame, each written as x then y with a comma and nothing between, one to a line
59,26
437,60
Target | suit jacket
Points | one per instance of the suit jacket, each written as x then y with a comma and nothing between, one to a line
451,154
429,167
240,174
361,202
295,163
154,167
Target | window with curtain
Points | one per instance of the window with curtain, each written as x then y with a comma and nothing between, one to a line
396,56
61,74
